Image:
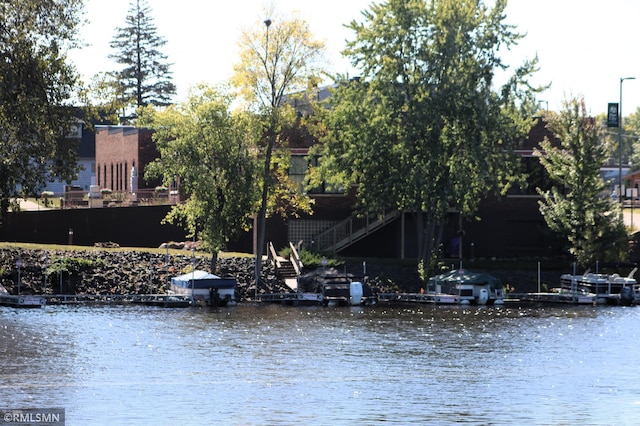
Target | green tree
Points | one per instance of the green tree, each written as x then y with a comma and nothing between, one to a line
145,78
276,59
631,138
36,85
423,129
579,206
208,149
104,98
630,134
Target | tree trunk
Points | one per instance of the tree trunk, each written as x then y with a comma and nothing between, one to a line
262,217
214,261
419,219
429,234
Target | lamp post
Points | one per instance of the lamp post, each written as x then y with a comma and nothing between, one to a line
546,105
261,222
620,192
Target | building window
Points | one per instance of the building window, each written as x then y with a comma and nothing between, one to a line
322,188
298,170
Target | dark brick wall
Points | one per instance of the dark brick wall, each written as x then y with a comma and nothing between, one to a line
118,149
511,227
508,228
128,226
134,227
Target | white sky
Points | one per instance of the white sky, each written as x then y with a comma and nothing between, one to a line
584,46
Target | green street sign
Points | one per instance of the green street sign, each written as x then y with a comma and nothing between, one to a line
613,118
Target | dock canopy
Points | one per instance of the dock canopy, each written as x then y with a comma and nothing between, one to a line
203,279
467,277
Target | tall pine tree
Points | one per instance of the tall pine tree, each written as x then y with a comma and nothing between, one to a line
145,78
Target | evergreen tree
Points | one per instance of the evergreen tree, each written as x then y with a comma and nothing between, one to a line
578,207
145,78
36,85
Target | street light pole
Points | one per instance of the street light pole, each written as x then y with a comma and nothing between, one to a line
620,192
546,105
261,222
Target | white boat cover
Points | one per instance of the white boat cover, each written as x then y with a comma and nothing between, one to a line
202,279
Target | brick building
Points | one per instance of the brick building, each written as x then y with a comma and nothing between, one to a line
119,151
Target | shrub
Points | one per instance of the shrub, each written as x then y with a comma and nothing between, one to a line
285,252
71,265
314,259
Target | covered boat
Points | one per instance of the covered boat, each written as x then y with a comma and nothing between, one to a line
606,288
475,288
333,288
205,287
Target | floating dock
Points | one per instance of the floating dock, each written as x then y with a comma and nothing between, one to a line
22,301
451,299
568,298
298,298
162,300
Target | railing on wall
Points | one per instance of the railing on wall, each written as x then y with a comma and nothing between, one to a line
83,199
350,230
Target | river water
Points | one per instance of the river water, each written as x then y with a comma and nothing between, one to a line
283,365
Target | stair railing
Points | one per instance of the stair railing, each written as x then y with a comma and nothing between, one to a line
295,259
271,253
351,230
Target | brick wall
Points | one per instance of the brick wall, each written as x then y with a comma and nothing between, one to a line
118,149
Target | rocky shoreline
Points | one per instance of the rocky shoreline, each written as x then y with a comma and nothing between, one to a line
104,271
98,271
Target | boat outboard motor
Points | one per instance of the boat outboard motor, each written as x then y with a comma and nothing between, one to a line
355,293
483,297
214,297
626,296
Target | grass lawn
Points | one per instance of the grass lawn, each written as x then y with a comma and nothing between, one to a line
65,247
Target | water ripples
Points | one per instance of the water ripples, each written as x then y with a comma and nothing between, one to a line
288,365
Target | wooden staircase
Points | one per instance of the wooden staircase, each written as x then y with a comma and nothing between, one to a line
351,230
287,269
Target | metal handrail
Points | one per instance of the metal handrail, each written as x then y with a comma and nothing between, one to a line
351,230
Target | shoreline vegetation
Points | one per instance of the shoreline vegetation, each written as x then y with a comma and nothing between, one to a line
59,269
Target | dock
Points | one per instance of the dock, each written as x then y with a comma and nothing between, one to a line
162,300
567,298
317,298
510,299
443,299
299,298
22,301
